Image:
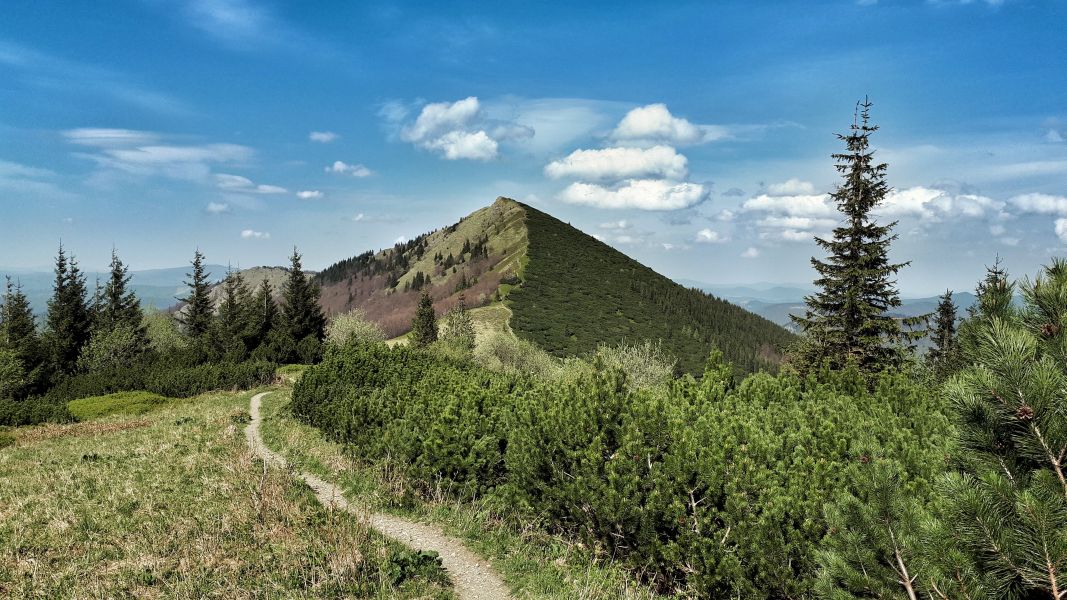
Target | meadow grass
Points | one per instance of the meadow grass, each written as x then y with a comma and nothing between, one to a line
533,564
172,504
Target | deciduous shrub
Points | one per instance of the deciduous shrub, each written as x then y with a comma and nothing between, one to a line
352,327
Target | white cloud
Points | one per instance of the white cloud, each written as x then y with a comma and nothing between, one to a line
358,218
457,130
142,153
309,194
357,170
792,187
250,234
932,204
1044,204
644,194
709,236
996,229
655,124
667,246
456,145
237,183
1054,136
787,222
623,224
750,252
23,179
400,240
323,137
105,138
799,206
620,163
217,208
1061,230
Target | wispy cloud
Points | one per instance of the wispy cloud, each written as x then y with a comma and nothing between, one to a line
251,234
237,183
323,137
357,170
309,194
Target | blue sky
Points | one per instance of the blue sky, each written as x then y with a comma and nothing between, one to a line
692,136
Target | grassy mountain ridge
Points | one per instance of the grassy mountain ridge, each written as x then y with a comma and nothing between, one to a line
567,291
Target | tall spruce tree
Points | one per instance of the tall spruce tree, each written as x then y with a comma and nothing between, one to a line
69,317
196,316
300,304
120,306
262,315
942,356
233,318
18,335
847,319
424,325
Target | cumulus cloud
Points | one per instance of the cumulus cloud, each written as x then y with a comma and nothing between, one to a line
932,204
237,183
1045,204
644,194
250,234
323,137
654,123
458,130
309,194
710,236
791,187
217,208
797,206
357,170
1061,230
620,163
750,252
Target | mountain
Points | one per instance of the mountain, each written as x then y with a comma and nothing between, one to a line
567,291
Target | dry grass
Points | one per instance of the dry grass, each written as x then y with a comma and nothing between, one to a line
176,506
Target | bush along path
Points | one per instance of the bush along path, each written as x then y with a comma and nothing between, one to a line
472,576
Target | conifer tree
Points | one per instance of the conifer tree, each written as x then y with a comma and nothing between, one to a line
300,304
18,335
847,319
943,355
68,321
119,303
424,325
262,315
196,316
233,318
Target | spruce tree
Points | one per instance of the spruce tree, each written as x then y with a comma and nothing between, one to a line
68,321
196,316
424,325
300,303
262,315
18,335
847,319
119,306
233,318
942,356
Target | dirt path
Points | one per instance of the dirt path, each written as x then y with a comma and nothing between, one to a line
472,576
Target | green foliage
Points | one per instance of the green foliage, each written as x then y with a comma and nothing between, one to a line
578,294
847,320
702,486
196,316
119,307
301,312
352,327
646,364
459,326
121,403
12,373
424,325
162,332
113,348
6,439
68,324
18,335
944,357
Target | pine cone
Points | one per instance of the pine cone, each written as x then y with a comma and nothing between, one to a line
1025,413
1049,329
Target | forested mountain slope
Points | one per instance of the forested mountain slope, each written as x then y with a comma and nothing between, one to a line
568,292
577,292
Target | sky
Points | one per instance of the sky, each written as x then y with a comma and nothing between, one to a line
694,137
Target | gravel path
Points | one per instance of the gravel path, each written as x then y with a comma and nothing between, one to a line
472,576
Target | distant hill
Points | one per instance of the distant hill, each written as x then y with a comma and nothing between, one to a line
567,291
158,288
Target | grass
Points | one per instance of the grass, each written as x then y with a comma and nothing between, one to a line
121,403
291,372
533,564
173,504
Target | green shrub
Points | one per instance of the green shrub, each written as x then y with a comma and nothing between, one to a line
6,439
352,327
701,486
124,403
